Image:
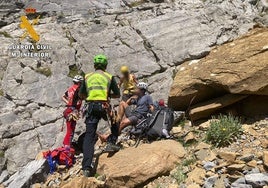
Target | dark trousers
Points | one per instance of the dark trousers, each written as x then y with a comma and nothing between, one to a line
90,138
89,141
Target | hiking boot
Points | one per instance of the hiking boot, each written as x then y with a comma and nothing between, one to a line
88,173
110,147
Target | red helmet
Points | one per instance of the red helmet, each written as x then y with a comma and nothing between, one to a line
161,102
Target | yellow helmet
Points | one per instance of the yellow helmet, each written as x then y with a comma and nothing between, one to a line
124,69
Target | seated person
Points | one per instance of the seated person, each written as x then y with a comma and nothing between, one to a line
144,104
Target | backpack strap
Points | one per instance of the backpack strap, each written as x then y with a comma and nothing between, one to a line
165,123
152,121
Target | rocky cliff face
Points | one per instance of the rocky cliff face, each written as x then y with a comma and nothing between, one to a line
234,73
152,37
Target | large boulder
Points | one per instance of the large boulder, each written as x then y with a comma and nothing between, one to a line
133,167
205,109
239,68
33,172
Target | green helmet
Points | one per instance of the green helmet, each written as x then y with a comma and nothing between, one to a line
100,60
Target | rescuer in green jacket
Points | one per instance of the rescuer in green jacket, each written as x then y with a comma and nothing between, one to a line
96,90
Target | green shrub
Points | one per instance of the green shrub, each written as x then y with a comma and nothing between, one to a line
44,70
74,70
2,154
1,92
224,130
179,175
96,175
5,34
70,38
189,161
137,3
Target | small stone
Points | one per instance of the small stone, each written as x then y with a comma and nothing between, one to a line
235,175
202,145
39,156
264,143
131,142
257,180
176,130
262,169
236,185
254,171
36,185
57,181
228,156
259,162
204,126
194,185
259,155
4,176
197,175
256,142
220,182
190,137
61,167
173,186
234,167
212,157
240,162
247,157
241,180
66,176
252,163
240,183
185,169
202,154
221,165
210,182
209,165
243,137
50,183
101,177
210,174
252,132
265,158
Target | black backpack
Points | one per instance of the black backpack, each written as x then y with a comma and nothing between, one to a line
158,125
162,124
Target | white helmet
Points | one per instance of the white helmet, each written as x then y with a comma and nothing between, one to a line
78,78
142,85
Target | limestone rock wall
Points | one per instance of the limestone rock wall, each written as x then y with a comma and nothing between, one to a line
152,38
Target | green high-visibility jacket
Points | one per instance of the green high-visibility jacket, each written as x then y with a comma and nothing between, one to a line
98,85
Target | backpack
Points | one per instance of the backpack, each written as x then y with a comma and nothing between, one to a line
60,156
162,125
156,126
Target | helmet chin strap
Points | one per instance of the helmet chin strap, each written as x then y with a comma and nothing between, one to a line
99,67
